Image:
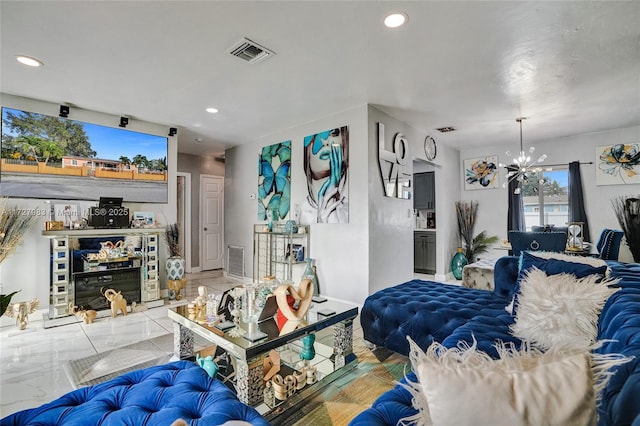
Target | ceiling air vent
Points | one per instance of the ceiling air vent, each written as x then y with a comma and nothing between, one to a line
250,51
446,129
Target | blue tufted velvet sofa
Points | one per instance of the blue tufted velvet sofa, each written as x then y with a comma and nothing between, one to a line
429,311
153,396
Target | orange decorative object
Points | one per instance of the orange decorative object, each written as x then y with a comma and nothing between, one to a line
284,295
281,320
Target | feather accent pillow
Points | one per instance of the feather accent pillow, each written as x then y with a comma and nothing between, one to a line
552,264
463,386
560,311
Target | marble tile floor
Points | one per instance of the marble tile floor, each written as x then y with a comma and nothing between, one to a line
32,361
38,365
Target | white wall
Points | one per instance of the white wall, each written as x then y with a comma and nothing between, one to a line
340,250
28,268
492,213
391,220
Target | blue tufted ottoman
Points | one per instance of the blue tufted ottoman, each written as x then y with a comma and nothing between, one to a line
429,311
153,396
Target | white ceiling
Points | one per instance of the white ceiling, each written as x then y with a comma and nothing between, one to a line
570,67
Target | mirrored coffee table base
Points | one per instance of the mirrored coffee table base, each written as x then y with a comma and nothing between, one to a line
332,351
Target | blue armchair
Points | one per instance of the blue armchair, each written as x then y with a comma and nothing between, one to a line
537,241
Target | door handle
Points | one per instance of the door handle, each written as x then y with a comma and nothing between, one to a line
205,229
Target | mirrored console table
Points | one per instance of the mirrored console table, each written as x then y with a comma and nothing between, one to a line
144,269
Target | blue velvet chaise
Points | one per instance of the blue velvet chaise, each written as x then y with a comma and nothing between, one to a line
429,311
156,395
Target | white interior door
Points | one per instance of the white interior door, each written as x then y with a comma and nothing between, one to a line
211,222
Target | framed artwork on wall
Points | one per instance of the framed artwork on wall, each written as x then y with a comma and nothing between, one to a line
618,164
274,181
326,166
481,173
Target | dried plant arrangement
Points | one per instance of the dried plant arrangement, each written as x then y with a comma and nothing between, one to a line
627,211
172,235
14,224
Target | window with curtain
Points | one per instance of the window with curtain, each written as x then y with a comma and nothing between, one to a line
546,198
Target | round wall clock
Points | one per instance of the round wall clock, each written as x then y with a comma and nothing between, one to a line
430,148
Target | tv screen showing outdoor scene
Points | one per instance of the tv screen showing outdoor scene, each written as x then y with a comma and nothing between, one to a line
56,158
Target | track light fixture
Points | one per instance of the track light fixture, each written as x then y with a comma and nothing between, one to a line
124,121
173,131
64,111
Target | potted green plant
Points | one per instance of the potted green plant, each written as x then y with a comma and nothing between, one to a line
466,212
5,300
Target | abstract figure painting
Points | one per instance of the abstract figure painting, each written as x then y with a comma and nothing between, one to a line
481,173
274,181
326,162
618,164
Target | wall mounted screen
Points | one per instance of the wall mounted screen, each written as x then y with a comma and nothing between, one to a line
57,158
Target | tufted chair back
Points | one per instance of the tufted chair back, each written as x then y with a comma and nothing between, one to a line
537,241
609,244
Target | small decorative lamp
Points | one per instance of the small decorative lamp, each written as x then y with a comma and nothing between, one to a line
575,236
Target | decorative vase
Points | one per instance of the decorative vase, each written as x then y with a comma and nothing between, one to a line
291,227
308,352
310,273
175,268
457,263
250,310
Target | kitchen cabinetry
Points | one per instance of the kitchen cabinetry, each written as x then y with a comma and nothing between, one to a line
424,191
279,253
424,252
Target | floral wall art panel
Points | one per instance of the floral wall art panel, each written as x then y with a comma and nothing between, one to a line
274,181
481,173
326,163
618,164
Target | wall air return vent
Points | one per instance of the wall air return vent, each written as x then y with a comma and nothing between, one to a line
250,51
235,261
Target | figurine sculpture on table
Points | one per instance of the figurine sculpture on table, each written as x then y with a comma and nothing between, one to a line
285,294
236,331
118,302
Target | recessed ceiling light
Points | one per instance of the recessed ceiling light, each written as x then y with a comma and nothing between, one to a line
212,110
27,60
396,19
199,140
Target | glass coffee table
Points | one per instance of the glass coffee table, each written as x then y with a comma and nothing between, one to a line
334,355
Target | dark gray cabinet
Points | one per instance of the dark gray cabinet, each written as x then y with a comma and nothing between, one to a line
424,252
424,191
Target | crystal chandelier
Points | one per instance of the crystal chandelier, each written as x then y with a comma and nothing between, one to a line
522,165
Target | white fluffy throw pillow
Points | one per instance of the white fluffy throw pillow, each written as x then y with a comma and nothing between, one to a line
560,311
462,386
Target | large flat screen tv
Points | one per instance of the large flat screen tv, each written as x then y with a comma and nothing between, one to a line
57,158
